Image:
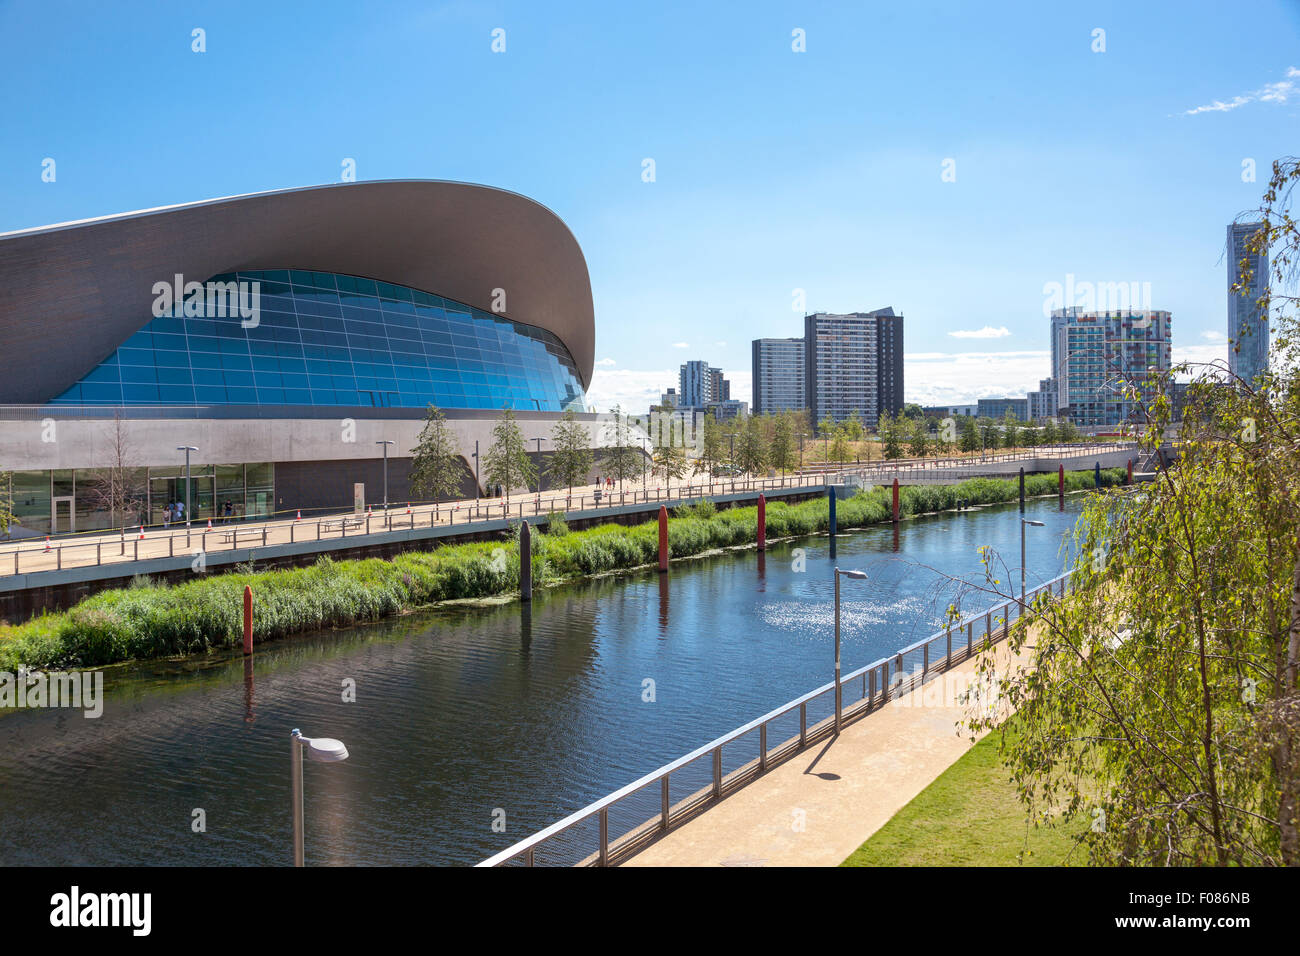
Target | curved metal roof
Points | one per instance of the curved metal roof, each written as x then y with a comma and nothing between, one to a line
73,292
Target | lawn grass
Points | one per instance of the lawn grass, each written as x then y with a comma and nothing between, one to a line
969,816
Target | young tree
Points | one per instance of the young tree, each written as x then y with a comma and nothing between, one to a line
436,469
1010,430
919,439
781,450
1050,434
840,450
671,462
853,429
714,446
571,458
968,439
112,488
751,449
891,444
507,463
621,460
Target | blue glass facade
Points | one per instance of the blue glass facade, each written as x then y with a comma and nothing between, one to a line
324,339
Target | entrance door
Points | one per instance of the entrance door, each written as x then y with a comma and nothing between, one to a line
63,515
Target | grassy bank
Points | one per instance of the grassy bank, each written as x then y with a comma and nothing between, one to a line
164,620
969,816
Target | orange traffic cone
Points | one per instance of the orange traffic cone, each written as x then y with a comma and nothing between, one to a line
141,532
47,544
299,518
209,524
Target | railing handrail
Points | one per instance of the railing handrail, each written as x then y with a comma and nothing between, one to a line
594,808
394,519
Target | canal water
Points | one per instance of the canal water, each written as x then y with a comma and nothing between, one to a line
474,727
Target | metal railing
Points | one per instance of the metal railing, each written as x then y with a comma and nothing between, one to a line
702,777
151,541
1059,450
142,543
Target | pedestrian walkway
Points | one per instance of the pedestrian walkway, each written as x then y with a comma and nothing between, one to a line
819,806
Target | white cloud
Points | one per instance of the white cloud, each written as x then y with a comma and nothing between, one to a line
988,332
720,345
959,378
1200,355
606,363
1279,92
634,391
1214,336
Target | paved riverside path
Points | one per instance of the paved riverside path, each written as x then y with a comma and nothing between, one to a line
847,787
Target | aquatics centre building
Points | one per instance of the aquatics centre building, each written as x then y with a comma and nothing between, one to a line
285,337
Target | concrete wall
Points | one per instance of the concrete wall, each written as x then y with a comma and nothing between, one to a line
49,443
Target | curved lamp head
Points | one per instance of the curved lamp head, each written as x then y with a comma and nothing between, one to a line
322,749
856,575
1036,524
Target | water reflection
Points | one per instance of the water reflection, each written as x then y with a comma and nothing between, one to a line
462,712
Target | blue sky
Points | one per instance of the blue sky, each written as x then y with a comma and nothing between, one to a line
774,170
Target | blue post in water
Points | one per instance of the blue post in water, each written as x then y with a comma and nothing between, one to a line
1097,474
830,490
1022,491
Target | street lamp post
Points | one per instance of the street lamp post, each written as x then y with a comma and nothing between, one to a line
1023,522
320,749
476,479
187,449
857,576
645,453
385,442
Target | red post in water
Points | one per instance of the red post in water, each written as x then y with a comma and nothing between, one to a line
895,501
248,619
663,538
762,522
1130,472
